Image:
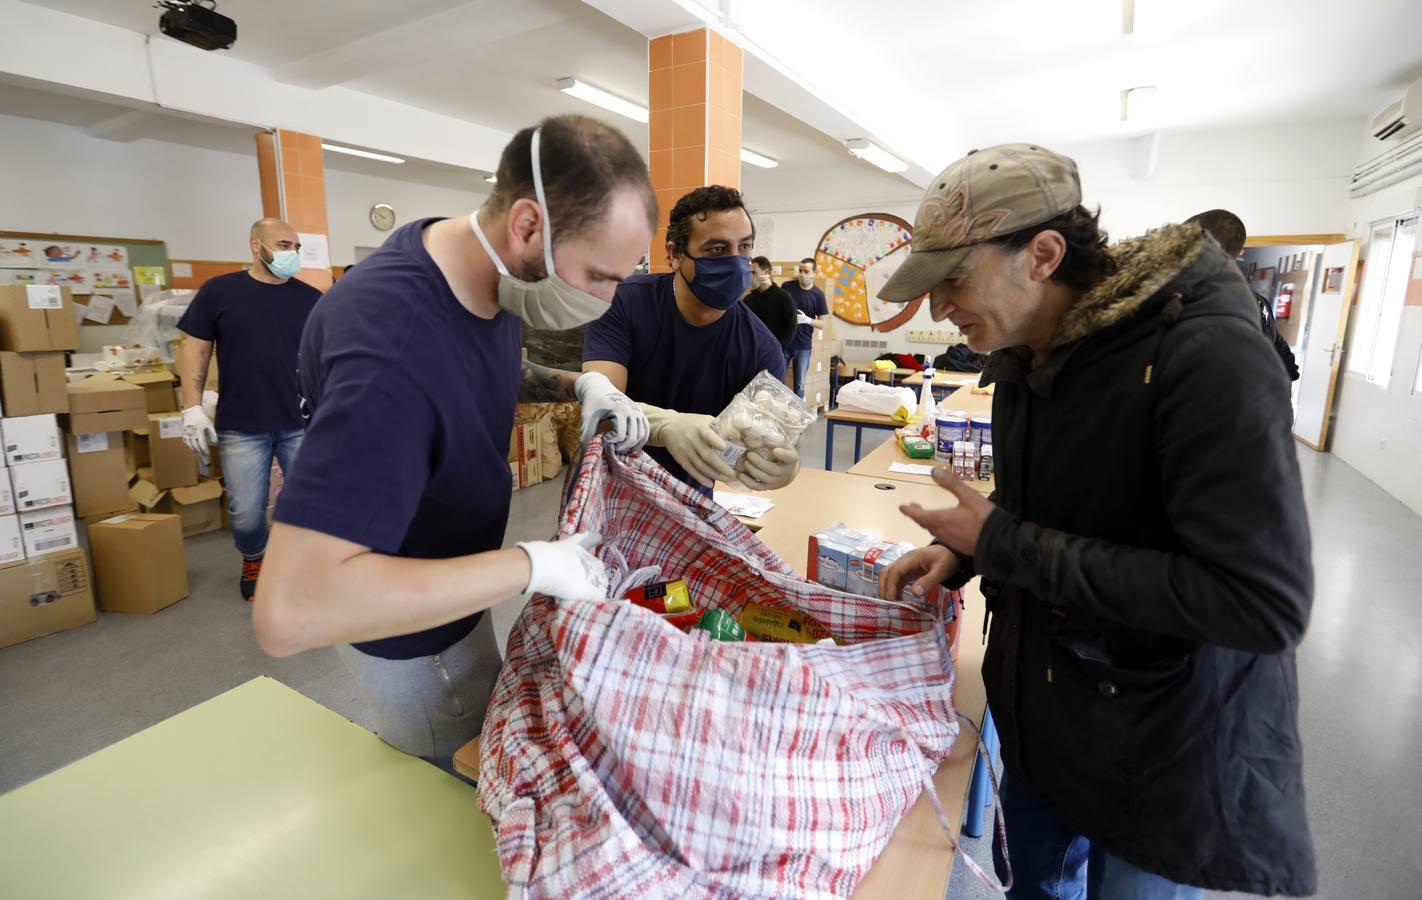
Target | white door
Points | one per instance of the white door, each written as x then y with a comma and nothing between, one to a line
1322,345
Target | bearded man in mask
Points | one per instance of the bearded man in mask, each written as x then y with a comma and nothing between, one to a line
683,344
387,535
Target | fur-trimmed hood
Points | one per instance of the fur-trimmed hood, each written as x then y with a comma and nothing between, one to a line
1144,266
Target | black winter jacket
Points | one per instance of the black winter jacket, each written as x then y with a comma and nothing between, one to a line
1148,575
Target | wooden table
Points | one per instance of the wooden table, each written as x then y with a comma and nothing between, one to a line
918,860
858,421
259,792
876,466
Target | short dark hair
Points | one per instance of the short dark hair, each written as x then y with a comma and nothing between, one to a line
762,262
1224,226
697,205
583,162
808,259
1086,263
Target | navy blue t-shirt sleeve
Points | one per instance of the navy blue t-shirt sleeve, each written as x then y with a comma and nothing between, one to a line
366,458
200,318
609,338
821,309
770,356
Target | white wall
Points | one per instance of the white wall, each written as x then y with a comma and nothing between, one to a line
349,197
1378,431
56,178
201,202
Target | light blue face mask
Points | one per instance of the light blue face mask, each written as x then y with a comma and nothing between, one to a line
285,263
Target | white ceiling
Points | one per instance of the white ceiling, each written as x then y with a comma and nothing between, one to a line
932,78
936,78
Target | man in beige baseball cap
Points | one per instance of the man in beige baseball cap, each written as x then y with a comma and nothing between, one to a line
1146,552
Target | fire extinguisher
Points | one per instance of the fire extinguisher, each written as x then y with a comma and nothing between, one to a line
1284,303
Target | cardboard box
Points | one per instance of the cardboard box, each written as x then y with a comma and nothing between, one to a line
105,403
98,474
48,530
135,451
157,389
33,383
41,485
12,542
7,494
174,463
176,348
139,565
30,439
37,317
198,508
44,596
132,355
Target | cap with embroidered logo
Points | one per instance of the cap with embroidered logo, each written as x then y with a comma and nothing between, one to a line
985,195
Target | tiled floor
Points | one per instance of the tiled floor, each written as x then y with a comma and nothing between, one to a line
67,695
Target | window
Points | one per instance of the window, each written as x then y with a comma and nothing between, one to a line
1385,277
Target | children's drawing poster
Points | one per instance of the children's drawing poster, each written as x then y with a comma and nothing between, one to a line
39,253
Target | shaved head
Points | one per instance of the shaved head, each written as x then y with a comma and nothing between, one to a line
269,230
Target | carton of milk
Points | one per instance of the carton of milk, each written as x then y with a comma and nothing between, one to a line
834,547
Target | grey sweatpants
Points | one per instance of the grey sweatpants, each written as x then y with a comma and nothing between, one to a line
430,706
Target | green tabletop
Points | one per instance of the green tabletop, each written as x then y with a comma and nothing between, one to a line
258,792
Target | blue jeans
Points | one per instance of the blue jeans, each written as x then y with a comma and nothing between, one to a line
247,468
1050,861
799,362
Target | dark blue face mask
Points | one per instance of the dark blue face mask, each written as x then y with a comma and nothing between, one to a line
720,280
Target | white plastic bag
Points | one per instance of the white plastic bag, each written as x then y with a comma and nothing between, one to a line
156,322
861,396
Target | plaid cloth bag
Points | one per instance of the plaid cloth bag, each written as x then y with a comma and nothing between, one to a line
621,757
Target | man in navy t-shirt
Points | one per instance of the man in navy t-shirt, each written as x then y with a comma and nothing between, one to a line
683,344
255,318
810,303
388,533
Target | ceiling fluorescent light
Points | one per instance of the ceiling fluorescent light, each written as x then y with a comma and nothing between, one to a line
873,153
755,159
598,97
363,154
1139,104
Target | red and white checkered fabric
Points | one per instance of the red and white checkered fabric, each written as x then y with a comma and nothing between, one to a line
623,758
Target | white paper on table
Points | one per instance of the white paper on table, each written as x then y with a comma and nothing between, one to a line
101,308
910,468
315,251
743,504
129,306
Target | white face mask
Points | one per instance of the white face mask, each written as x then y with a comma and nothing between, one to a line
550,303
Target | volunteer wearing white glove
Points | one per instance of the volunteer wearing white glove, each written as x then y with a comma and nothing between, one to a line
813,314
255,320
198,431
388,533
766,470
683,343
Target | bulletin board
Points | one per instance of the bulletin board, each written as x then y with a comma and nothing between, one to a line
855,258
108,276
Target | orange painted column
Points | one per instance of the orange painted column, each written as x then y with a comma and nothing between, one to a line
694,131
293,177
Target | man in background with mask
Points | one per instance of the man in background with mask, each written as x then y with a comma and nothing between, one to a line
255,319
683,344
388,533
771,303
811,312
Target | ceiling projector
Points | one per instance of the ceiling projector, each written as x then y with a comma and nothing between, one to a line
197,24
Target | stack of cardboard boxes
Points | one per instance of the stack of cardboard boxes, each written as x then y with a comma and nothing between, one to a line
65,463
534,454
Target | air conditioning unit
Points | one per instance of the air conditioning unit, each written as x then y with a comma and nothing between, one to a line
1401,117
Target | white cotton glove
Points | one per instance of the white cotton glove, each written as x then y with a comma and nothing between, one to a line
762,470
198,431
802,319
692,441
602,400
565,569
